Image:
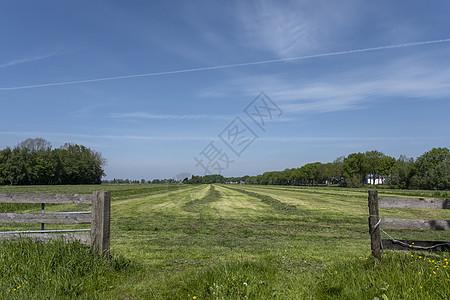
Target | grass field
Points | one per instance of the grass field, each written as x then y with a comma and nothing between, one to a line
229,242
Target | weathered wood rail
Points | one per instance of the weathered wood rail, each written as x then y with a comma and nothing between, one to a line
376,223
99,218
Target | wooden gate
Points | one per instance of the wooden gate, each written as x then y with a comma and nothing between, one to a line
99,218
376,224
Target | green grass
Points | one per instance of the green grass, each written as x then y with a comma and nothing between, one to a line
235,242
275,204
33,270
197,204
400,275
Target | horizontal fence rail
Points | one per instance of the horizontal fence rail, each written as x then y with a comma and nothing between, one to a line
377,224
46,198
47,237
422,203
415,224
78,218
99,218
46,231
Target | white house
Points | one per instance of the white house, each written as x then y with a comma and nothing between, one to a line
378,179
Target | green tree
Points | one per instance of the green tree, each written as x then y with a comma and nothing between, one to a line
35,145
34,162
432,169
431,159
312,173
372,163
439,177
355,169
326,172
402,172
16,168
338,169
80,165
5,155
378,164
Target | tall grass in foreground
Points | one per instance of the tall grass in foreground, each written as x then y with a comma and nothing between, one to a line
398,275
33,270
57,270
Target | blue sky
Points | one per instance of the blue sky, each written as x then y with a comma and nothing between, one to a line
151,84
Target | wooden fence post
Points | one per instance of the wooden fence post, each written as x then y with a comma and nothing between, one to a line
374,225
100,227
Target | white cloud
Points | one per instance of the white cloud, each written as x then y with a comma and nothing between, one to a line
108,136
329,139
414,77
144,115
291,28
28,59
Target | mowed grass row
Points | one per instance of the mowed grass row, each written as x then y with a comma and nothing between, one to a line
214,241
344,203
203,245
251,242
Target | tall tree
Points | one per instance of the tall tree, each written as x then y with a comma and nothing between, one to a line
81,165
34,162
35,145
338,169
433,168
5,155
354,168
378,164
431,159
402,172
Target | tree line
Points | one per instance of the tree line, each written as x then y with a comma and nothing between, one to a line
431,170
34,162
143,181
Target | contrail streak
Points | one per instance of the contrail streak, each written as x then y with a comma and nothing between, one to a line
222,66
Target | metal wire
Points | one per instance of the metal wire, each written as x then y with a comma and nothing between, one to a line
45,231
414,246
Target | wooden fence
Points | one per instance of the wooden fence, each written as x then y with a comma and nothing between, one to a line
376,224
99,218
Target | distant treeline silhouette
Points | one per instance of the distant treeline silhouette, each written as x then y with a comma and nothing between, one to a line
34,162
431,170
